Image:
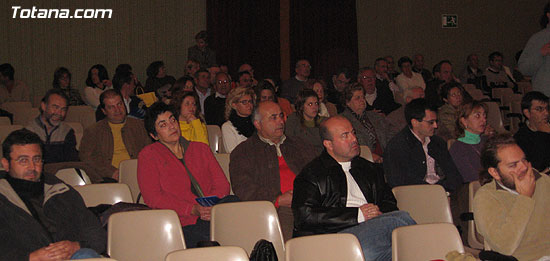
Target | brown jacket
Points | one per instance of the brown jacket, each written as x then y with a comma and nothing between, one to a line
97,145
254,171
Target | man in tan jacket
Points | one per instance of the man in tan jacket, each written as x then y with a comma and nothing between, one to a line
114,139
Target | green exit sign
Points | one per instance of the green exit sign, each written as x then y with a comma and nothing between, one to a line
449,21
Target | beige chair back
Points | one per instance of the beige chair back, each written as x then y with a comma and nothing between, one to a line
476,94
366,153
494,117
324,247
144,235
78,131
425,203
475,240
106,193
469,87
15,106
4,121
24,115
244,223
81,113
71,177
425,242
6,130
127,174
215,138
218,253
223,160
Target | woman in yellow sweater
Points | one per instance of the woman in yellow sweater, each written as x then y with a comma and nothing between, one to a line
191,121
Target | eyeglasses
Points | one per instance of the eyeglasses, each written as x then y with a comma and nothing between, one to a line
223,82
245,102
311,104
25,161
367,77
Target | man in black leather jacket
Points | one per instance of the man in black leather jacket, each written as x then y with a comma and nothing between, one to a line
342,192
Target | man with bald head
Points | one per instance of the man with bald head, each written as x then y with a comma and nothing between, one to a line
264,166
340,192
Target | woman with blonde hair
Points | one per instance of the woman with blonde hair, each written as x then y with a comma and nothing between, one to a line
238,112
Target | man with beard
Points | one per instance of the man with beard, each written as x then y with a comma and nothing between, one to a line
58,137
511,208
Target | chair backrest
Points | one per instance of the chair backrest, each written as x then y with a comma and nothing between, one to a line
215,138
494,117
127,174
469,87
244,223
366,153
106,193
324,247
218,253
14,106
475,240
500,93
4,121
72,177
524,87
24,115
7,129
81,113
425,242
78,131
144,235
476,94
425,203
223,160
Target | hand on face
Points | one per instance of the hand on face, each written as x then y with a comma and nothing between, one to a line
525,182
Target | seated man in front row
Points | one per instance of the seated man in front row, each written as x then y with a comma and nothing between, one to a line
41,218
342,192
512,209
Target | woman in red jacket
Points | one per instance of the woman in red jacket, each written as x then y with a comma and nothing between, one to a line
167,167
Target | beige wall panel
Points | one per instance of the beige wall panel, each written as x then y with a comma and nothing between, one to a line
138,33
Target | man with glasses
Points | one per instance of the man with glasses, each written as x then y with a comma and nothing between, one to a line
534,136
416,156
214,105
291,87
41,217
377,93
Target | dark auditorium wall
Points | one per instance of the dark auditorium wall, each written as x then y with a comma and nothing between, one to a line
405,27
138,33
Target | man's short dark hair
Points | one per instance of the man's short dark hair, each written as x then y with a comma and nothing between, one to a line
152,114
20,137
199,71
240,74
346,71
7,70
51,92
489,154
543,18
529,97
416,109
494,55
123,67
202,35
403,60
108,94
153,69
437,66
124,77
299,60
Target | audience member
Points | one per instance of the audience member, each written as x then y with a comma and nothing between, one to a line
245,67
304,123
511,209
533,61
202,87
183,84
269,172
326,109
418,67
213,71
125,83
396,119
201,52
238,113
391,67
379,99
292,86
384,81
191,67
173,172
416,156
265,91
408,79
443,73
472,73
533,137
12,90
339,81
191,122
496,75
371,128
214,105
58,138
157,77
42,217
340,192
245,79
453,96
470,126
62,80
111,140
97,82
